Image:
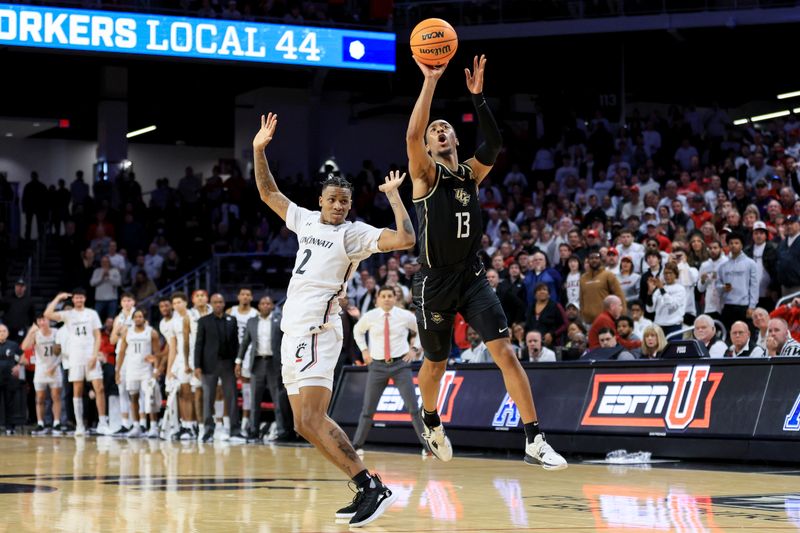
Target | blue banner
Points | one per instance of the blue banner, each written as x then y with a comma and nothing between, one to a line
158,35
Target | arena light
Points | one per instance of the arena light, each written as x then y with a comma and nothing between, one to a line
142,131
796,110
740,121
768,116
788,95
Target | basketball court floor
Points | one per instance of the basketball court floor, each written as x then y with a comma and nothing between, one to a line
104,484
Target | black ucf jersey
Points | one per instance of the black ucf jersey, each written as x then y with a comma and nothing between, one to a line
449,219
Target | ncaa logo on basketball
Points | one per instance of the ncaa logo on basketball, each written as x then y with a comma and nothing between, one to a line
677,400
462,196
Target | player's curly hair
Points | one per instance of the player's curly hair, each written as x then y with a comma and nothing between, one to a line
337,181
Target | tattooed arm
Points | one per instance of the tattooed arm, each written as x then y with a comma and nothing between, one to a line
403,237
265,181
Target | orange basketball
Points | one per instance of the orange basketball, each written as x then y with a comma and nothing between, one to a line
434,42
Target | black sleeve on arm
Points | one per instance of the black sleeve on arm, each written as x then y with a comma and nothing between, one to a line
487,152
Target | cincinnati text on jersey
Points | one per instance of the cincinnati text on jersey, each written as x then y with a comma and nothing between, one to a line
677,400
307,239
391,407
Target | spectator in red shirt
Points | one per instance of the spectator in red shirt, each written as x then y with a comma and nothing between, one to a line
612,310
699,212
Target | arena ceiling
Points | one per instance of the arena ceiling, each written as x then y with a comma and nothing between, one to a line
192,101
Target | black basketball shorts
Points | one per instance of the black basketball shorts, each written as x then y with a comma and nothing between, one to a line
441,293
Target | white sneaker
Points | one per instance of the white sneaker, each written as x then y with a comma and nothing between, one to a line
80,430
539,452
104,429
153,433
135,432
437,441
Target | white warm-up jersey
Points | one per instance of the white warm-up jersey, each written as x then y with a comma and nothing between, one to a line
175,329
140,345
127,321
81,326
194,316
328,256
241,323
62,339
45,359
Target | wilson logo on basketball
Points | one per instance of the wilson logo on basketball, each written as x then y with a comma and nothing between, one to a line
676,401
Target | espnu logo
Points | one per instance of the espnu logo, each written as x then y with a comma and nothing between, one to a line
392,408
676,401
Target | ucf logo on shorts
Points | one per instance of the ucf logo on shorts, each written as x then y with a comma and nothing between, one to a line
298,357
462,196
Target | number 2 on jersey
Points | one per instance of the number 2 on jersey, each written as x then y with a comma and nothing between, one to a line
300,270
463,225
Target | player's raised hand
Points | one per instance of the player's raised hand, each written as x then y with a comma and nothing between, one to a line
267,131
433,73
392,182
475,78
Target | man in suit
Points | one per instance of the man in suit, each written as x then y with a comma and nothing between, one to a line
264,333
216,348
512,305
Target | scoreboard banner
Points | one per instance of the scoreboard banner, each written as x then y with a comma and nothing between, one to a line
211,39
693,398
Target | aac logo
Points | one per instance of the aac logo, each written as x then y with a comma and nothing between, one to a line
507,416
792,422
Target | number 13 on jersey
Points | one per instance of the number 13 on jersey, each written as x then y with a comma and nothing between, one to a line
462,232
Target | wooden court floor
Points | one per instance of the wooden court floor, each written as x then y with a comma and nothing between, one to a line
104,484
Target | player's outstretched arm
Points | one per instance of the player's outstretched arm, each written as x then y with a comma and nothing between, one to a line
403,237
265,181
50,311
420,163
486,154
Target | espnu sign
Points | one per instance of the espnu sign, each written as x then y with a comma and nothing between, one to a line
676,401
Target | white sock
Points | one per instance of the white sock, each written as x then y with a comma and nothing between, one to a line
185,424
219,408
226,422
104,420
40,422
247,397
143,422
77,405
245,422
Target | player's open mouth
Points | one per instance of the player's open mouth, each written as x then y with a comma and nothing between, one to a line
442,138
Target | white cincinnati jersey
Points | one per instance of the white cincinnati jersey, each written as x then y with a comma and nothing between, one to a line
140,345
328,256
242,318
81,326
43,350
62,339
126,321
176,330
194,316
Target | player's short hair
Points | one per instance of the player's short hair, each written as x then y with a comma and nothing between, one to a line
80,291
179,295
245,289
336,181
196,291
139,310
165,299
127,294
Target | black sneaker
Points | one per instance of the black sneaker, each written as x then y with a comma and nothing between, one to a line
349,511
58,430
374,502
11,431
40,430
121,432
208,436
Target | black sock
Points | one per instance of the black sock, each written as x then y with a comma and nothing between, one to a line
431,418
531,430
362,479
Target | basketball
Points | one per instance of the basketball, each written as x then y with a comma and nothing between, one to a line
434,42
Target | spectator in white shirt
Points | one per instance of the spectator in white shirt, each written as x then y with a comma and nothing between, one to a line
515,177
705,332
740,342
106,281
534,351
684,155
477,351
